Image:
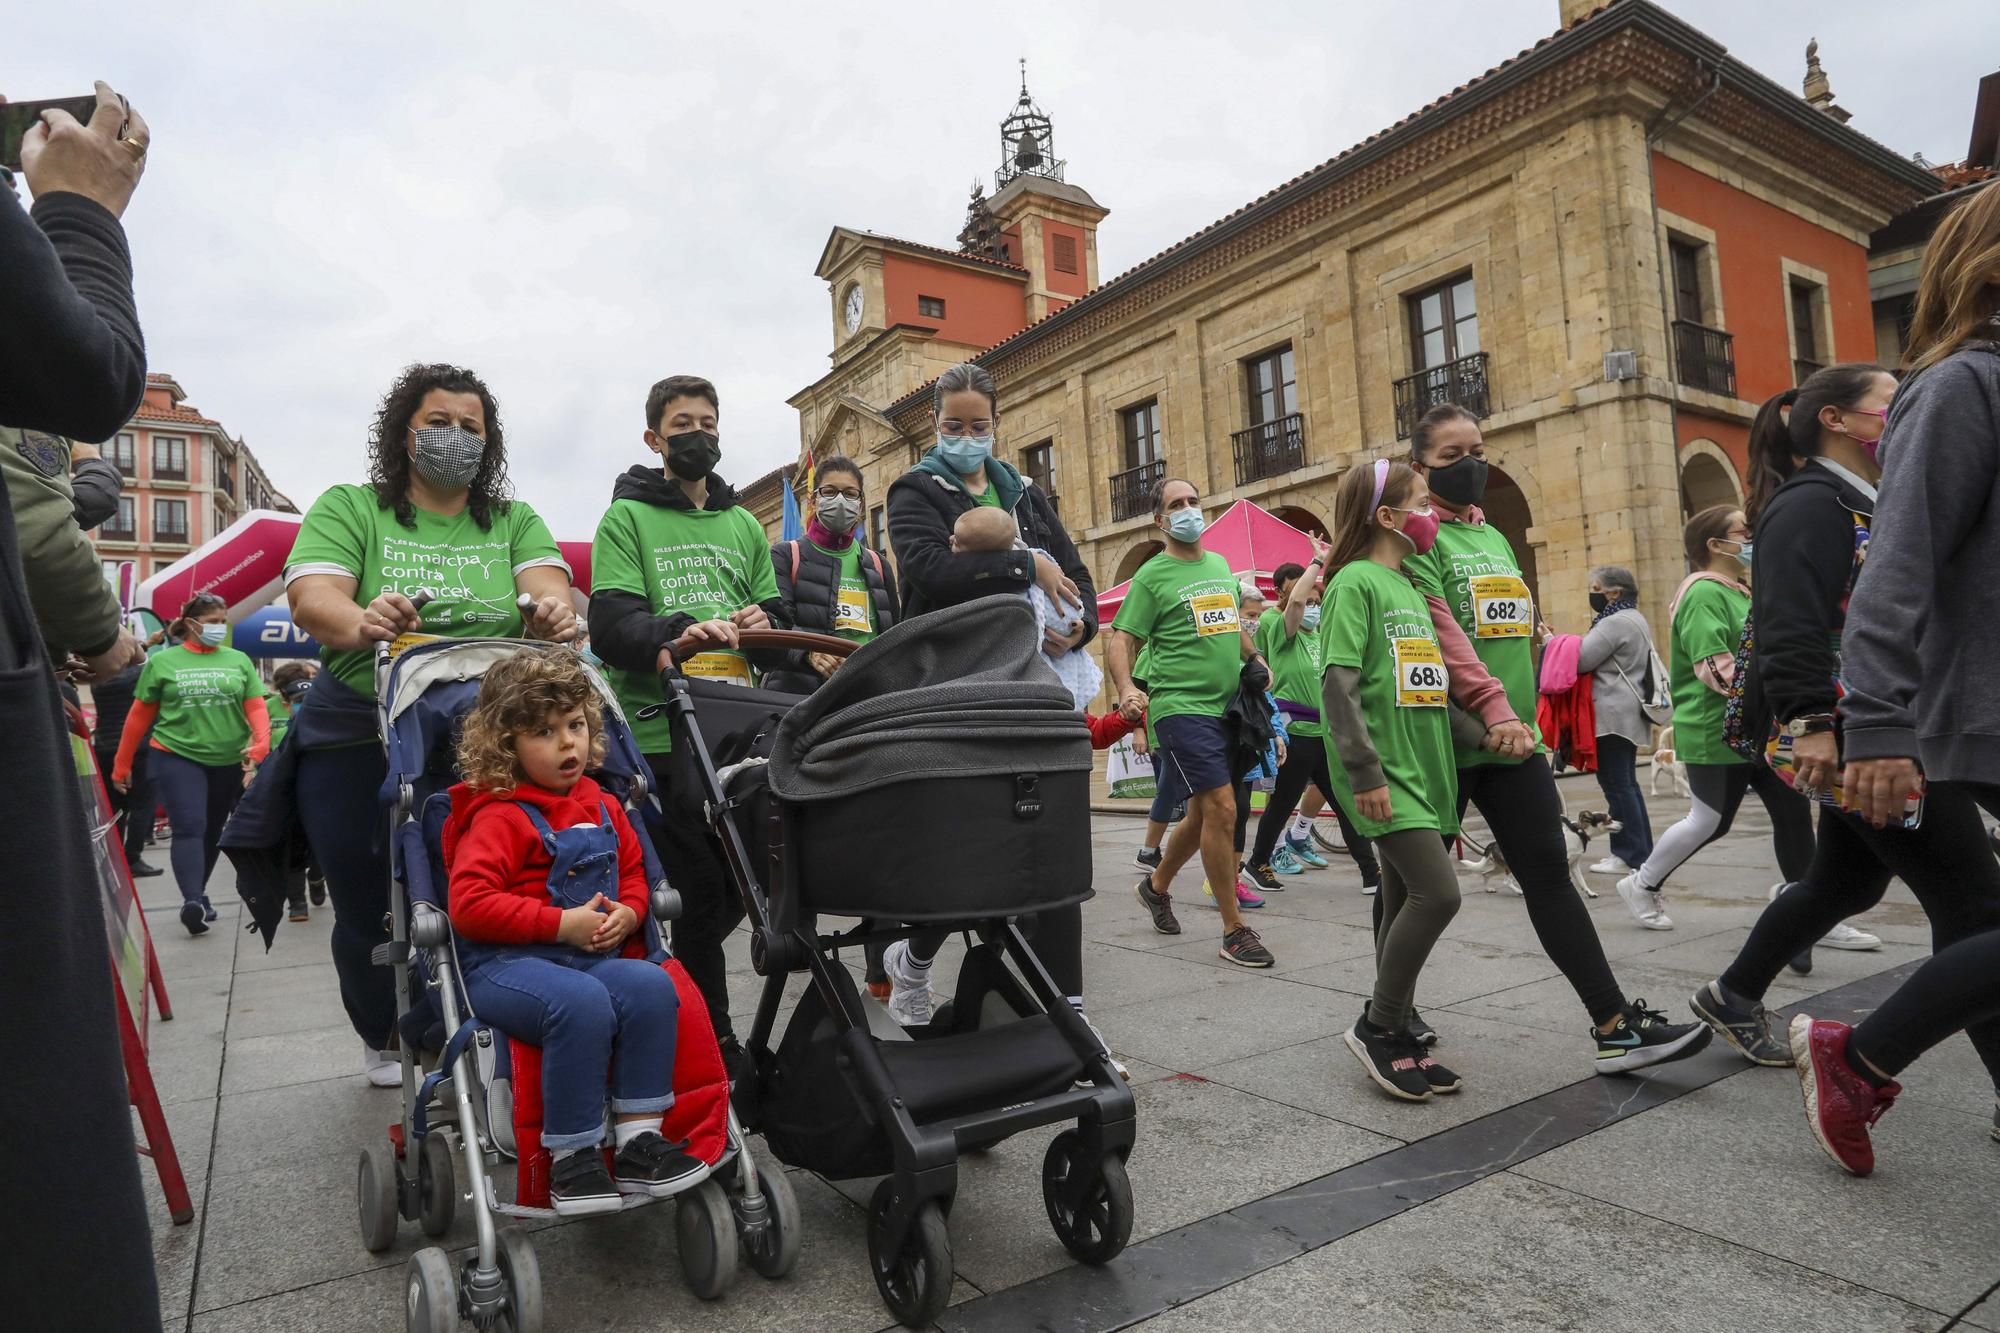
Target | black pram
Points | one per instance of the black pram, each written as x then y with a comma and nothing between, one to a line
941,776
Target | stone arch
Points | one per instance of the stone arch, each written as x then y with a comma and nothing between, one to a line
1135,555
1708,477
1507,507
1302,518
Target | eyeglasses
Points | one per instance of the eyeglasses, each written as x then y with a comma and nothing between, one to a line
953,426
839,492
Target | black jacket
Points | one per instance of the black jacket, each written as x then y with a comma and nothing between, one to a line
1798,587
97,486
922,509
113,698
808,602
623,629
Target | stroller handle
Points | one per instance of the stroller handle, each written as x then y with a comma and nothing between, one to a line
804,640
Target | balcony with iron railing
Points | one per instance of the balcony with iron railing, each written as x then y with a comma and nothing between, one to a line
1463,382
1269,449
114,531
1132,489
1705,358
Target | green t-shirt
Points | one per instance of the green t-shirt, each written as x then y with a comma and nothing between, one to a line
469,570
853,607
201,697
705,563
280,711
1708,621
1473,569
990,497
1375,620
1186,612
1295,667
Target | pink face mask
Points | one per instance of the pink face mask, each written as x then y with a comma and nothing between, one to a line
1421,528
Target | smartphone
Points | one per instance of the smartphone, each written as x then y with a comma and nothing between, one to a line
1778,753
17,118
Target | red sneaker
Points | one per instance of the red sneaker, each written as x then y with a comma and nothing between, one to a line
1840,1104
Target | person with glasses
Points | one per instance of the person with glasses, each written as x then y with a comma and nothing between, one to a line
830,581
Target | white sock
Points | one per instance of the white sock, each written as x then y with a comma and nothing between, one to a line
624,1131
1076,1003
920,964
1301,826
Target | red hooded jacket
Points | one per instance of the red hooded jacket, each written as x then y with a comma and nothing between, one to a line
500,870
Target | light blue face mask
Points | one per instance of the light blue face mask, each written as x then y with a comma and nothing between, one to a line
1186,525
213,632
965,454
1311,618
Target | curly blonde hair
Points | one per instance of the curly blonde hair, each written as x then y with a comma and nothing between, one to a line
520,693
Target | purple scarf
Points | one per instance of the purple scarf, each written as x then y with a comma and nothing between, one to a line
819,535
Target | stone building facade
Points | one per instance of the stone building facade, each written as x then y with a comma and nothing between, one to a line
1611,247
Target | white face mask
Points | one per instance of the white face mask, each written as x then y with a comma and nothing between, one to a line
213,632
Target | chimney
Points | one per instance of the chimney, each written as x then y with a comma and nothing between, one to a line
1818,91
1575,11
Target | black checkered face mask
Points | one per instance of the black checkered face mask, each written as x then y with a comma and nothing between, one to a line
447,456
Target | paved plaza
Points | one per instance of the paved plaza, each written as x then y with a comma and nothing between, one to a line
1276,1188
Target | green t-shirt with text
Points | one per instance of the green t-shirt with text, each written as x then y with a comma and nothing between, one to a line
468,569
1294,660
1473,569
1186,612
280,711
201,697
1708,621
705,563
1375,620
853,607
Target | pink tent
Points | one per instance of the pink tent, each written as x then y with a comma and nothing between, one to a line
245,565
1253,540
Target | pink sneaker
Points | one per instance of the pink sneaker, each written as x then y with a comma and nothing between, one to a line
1245,895
1840,1104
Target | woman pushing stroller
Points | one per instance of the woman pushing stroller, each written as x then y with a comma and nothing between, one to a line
548,889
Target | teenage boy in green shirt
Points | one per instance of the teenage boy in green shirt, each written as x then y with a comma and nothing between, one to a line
679,567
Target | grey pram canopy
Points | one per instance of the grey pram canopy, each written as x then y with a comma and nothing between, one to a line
960,692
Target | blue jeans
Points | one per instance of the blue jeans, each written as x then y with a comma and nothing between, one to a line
198,798
1617,777
587,1012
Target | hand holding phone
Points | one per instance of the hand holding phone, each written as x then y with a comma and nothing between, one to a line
60,152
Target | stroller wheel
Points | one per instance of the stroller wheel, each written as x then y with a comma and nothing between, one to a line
707,1232
375,1191
430,1296
1097,1226
915,1281
523,1278
437,1190
775,1252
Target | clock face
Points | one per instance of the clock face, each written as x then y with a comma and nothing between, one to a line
854,307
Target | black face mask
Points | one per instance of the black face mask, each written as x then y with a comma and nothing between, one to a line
1459,484
693,454
1598,601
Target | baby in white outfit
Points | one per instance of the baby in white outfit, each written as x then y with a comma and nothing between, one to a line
985,528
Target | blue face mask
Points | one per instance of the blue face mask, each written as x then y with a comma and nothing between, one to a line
1186,525
1311,618
213,632
965,454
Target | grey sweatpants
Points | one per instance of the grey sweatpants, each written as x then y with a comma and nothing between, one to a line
1419,899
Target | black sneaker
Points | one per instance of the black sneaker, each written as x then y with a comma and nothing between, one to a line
1423,1033
580,1186
1748,1028
1644,1037
208,912
1802,962
1161,907
191,917
1147,858
144,869
1442,1080
316,889
1263,877
1391,1059
299,911
1242,947
651,1165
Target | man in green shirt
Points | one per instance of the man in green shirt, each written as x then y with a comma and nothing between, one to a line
1182,606
678,568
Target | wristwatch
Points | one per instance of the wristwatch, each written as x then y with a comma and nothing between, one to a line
1809,726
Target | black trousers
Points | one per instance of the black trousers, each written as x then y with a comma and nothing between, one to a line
1306,765
1947,862
710,906
132,808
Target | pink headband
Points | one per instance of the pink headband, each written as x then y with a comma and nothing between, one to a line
1381,477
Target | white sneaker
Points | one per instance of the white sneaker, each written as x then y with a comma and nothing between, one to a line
384,1068
1647,906
1116,1063
1611,865
909,987
1844,936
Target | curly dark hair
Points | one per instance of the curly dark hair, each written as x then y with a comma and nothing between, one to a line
516,695
389,460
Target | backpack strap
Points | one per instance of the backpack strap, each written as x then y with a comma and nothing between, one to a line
793,547
542,829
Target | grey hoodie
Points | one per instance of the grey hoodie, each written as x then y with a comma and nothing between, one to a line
1921,651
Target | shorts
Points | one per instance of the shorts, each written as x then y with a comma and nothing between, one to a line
1194,756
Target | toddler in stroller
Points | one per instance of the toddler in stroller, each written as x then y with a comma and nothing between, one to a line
552,999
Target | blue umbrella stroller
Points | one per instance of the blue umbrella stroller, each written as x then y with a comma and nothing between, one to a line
458,1118
940,777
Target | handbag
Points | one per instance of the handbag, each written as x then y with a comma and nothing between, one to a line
1656,701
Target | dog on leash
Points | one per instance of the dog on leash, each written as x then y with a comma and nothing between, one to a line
1577,835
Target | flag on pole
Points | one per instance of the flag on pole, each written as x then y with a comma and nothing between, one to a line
793,527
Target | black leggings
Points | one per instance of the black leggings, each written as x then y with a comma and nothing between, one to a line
1057,937
1954,990
710,905
1947,862
1242,815
1718,791
1305,765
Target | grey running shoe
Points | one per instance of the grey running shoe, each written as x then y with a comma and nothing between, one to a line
1748,1030
1147,858
1242,947
1160,906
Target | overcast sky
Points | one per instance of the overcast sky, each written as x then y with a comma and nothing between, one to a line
577,199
